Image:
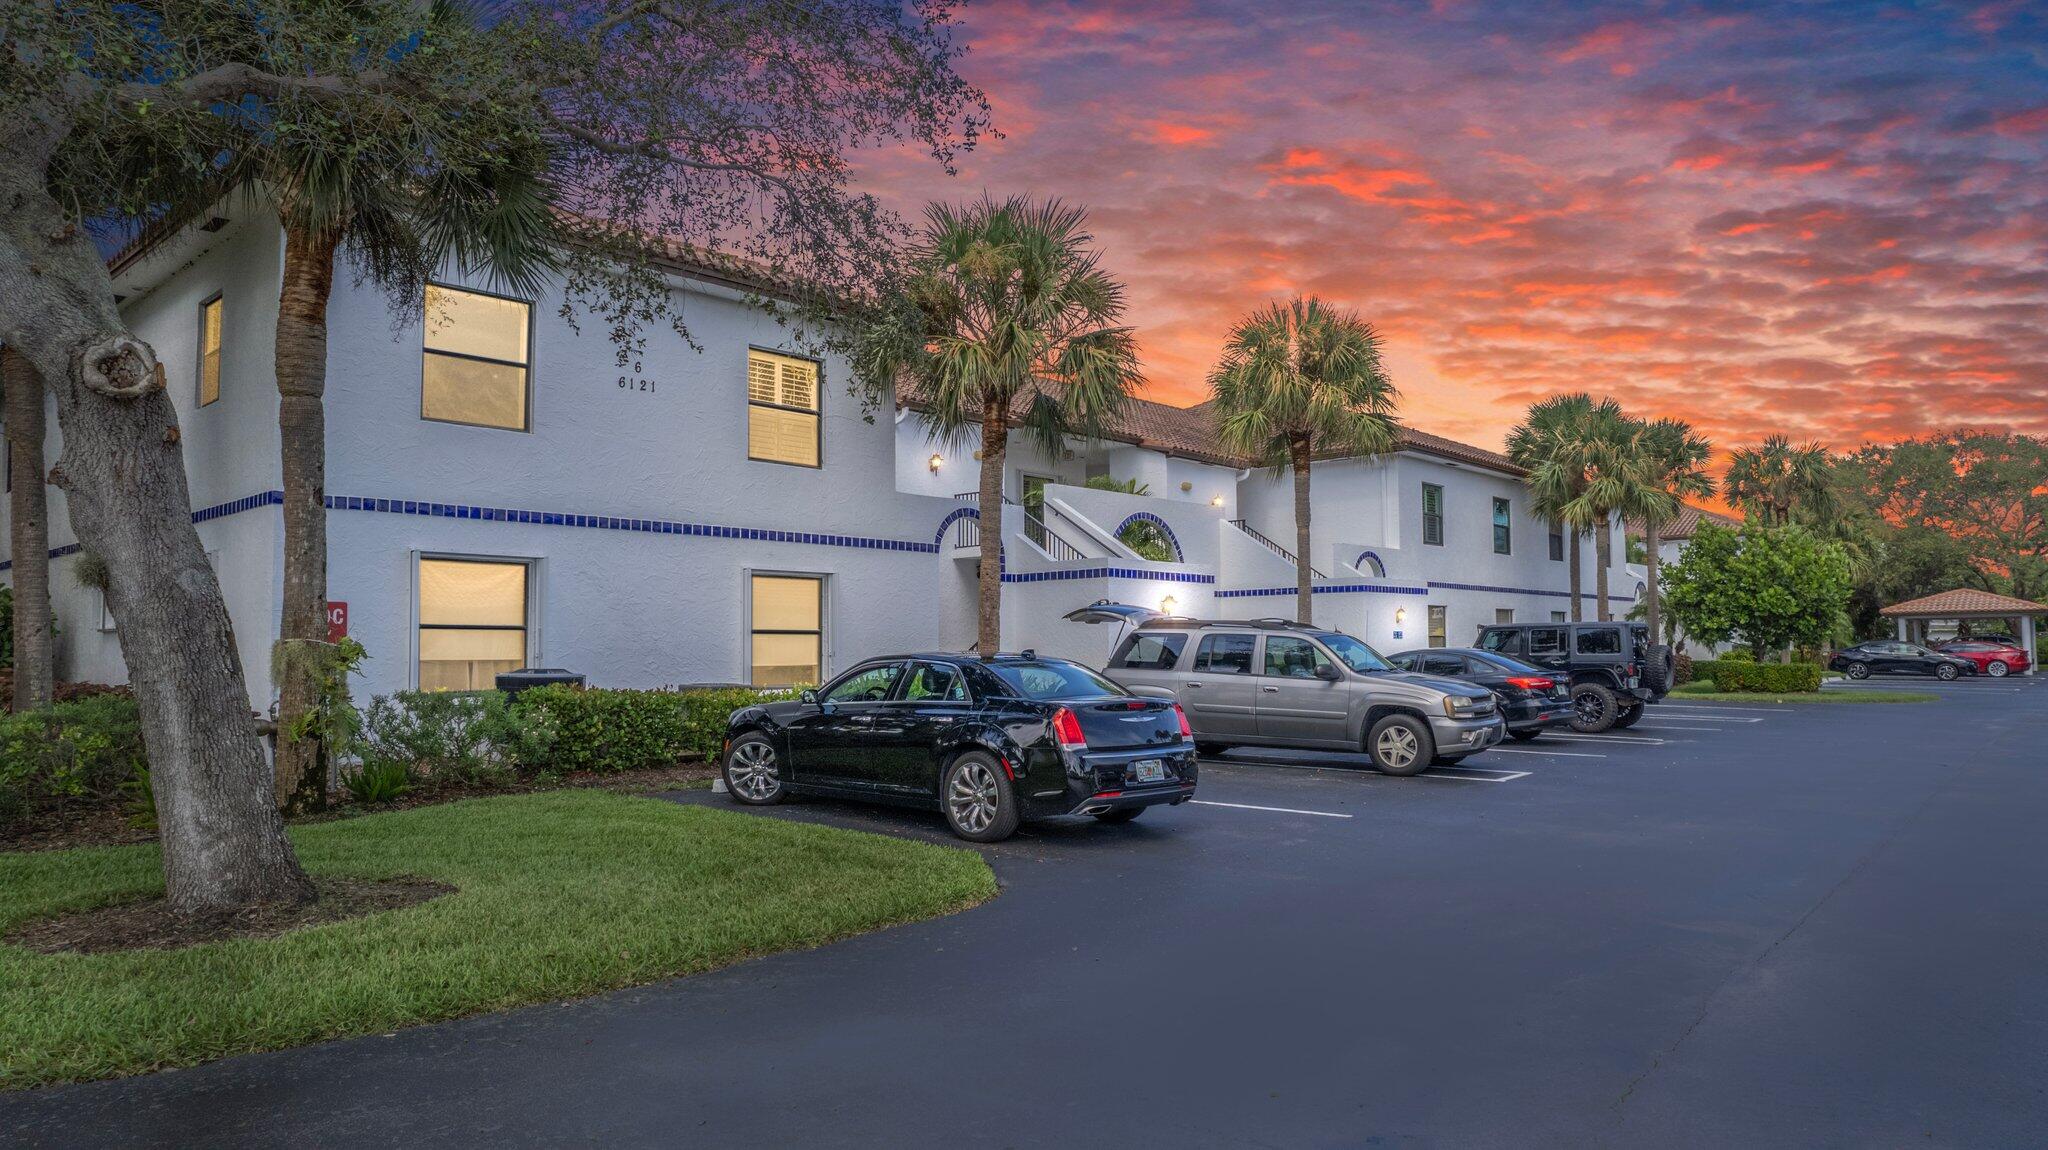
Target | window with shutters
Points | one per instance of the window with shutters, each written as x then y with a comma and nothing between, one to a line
1503,528
782,409
1432,515
474,367
209,351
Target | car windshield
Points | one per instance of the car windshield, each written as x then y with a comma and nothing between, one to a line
1053,680
1354,654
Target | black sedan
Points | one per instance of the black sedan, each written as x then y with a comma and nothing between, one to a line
1532,700
988,741
1891,657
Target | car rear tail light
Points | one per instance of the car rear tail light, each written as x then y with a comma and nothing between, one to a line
1186,732
1531,683
1066,730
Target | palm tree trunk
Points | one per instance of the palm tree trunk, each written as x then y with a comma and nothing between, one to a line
1298,453
1577,579
1603,554
123,475
1652,612
995,442
301,782
21,398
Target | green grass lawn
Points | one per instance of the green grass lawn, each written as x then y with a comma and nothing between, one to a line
1704,690
560,895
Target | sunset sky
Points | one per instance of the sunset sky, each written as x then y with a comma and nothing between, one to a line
1821,219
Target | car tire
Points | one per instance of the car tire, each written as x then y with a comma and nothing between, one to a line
1946,672
1119,816
1524,736
1204,750
1859,670
1997,669
1400,745
1629,717
753,771
978,801
1594,708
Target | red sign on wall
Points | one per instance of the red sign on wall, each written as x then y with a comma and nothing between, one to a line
337,621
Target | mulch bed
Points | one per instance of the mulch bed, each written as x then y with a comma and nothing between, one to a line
151,925
108,825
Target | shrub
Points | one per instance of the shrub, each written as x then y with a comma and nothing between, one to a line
81,749
443,735
1681,668
377,781
705,713
1769,678
593,729
1737,655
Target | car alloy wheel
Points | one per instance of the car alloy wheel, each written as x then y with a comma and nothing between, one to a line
972,797
1945,672
1997,669
752,773
1859,671
1397,747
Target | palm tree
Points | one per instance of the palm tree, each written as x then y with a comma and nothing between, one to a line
1617,482
1552,444
21,402
1675,458
1300,379
1004,304
1775,480
400,206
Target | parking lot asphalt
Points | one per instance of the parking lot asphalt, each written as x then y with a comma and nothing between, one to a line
1817,925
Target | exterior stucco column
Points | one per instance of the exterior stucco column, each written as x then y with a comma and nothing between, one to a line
2027,641
1902,628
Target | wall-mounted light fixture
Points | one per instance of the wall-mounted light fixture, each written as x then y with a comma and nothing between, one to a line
1216,502
1400,616
935,461
1167,604
1186,486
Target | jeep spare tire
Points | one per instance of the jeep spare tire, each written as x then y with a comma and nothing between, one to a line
1658,674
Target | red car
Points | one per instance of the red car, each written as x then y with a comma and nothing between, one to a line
1994,659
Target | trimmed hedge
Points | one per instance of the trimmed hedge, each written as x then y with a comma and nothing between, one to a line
597,729
81,749
1771,678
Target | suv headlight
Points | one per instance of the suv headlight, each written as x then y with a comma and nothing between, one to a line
1458,706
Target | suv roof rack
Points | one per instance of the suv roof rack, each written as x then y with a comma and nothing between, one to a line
1186,622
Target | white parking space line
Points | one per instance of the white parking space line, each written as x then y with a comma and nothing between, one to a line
1275,810
1451,774
1661,727
1711,708
1552,754
1655,742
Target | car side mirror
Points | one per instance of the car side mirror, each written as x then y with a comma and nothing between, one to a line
1329,673
810,697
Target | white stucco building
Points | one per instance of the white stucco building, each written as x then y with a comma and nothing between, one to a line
498,498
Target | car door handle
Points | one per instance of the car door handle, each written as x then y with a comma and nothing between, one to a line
1269,688
1194,684
860,721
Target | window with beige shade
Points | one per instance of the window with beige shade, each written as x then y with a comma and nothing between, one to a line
782,409
787,631
475,359
209,351
472,622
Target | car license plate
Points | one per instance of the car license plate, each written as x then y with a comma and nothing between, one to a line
1147,771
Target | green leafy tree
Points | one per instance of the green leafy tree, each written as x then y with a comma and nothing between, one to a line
1777,482
1004,307
1769,588
1297,380
1988,491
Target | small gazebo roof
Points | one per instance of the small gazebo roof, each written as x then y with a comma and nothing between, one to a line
1964,601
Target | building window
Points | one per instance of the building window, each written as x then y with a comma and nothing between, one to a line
1503,614
1432,515
1503,528
1557,616
1557,542
209,351
472,622
787,631
1439,623
782,409
475,359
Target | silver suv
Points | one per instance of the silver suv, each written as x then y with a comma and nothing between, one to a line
1272,683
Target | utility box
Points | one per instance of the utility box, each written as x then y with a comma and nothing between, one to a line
513,682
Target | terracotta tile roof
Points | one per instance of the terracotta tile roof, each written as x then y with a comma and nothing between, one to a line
1966,601
1685,523
1190,432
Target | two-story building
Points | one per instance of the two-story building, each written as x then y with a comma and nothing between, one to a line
499,496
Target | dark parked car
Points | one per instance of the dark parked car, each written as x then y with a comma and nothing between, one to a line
1531,701
1612,669
1891,657
988,741
1995,659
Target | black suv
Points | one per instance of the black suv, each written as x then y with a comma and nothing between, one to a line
1613,668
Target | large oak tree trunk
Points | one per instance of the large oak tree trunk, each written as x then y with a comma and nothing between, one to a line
1577,579
1298,455
1653,613
1603,554
302,433
21,397
995,441
124,474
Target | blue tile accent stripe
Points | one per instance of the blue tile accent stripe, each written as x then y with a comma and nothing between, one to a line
1526,591
231,507
622,523
1350,588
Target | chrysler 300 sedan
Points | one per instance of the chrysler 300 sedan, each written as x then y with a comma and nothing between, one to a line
988,741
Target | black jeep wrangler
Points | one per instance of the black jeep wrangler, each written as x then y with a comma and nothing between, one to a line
1613,668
